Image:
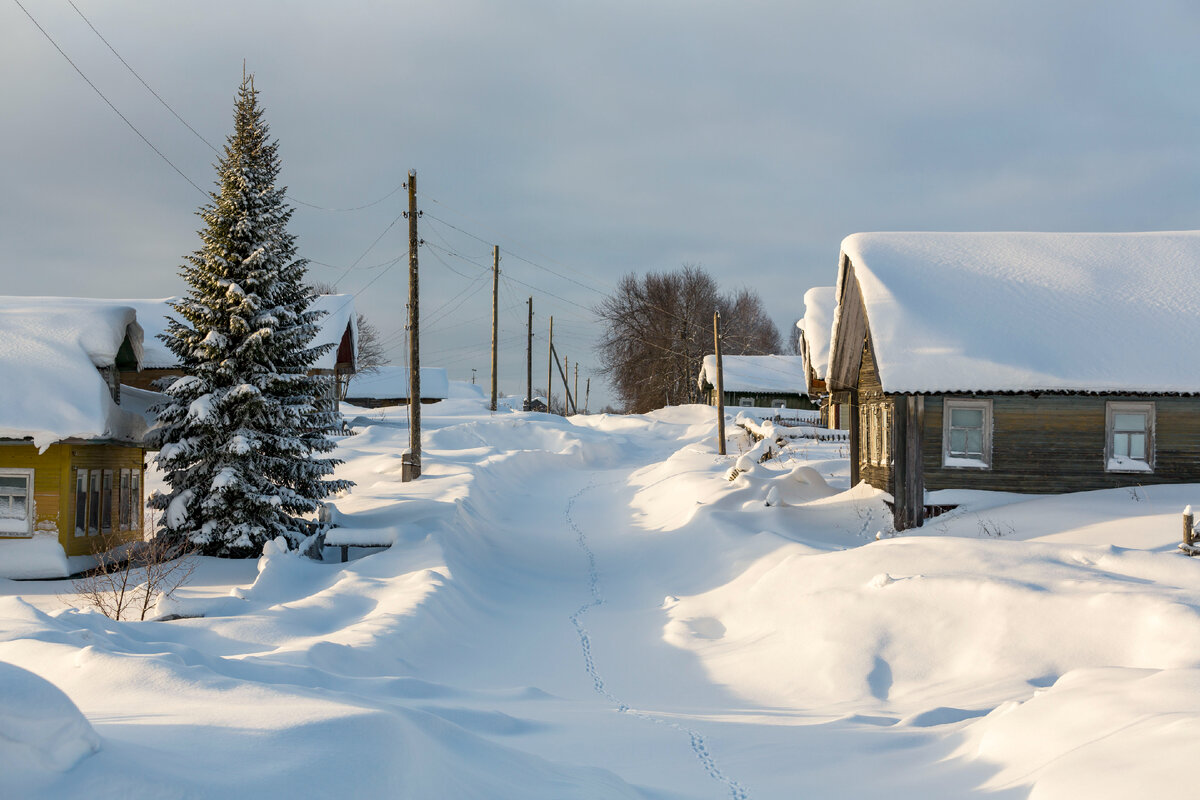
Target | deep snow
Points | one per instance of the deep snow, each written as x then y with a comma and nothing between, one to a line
589,608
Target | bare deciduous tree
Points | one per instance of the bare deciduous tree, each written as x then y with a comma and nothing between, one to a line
658,329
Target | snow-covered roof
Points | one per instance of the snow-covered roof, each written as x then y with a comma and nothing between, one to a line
819,305
339,308
392,382
1091,312
339,313
755,373
50,348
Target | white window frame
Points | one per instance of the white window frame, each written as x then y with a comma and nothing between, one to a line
779,402
1111,409
30,512
746,402
951,461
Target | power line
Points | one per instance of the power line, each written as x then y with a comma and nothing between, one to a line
184,122
116,111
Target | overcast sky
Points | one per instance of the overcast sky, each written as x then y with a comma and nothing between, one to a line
593,139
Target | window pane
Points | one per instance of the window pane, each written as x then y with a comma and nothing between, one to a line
1129,422
94,502
966,417
975,441
135,500
958,441
1121,444
1137,446
13,484
80,502
106,498
123,500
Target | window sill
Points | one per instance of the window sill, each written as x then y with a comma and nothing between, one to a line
1128,465
952,462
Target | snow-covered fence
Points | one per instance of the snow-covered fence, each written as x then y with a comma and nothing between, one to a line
314,545
768,429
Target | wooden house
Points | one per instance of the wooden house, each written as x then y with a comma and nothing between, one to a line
388,386
338,328
756,381
1021,362
71,457
815,330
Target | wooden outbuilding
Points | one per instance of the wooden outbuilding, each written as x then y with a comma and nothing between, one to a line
388,386
756,382
1020,362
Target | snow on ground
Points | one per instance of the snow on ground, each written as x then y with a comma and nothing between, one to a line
590,608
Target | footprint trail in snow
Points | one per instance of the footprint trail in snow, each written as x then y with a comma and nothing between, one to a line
698,744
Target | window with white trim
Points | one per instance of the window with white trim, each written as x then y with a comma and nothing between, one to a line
779,402
967,434
16,502
1129,437
746,402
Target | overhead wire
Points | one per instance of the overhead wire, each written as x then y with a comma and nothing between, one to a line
185,123
116,110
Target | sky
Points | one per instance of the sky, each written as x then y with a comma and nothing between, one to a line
587,141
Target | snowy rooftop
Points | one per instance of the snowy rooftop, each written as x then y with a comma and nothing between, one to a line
1088,312
50,348
819,304
756,373
392,382
339,308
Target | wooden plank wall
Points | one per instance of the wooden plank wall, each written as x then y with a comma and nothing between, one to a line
1055,443
870,394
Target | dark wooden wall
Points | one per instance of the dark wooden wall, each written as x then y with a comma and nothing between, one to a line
1055,443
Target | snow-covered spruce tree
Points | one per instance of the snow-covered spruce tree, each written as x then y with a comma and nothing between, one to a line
241,435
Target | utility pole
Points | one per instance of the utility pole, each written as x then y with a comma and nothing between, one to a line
569,403
529,361
473,371
575,390
720,384
587,395
412,470
564,371
495,316
550,367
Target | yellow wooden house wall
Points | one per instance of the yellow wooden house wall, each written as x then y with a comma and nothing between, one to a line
54,485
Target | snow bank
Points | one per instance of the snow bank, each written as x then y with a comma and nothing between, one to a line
41,730
41,556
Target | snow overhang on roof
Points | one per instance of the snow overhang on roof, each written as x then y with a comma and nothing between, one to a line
1009,312
819,305
391,382
50,348
755,373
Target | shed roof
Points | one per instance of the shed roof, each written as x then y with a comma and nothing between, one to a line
755,373
1091,312
391,382
50,348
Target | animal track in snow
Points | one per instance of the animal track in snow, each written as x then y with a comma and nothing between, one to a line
696,739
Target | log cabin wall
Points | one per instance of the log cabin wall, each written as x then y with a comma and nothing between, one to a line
874,409
1050,444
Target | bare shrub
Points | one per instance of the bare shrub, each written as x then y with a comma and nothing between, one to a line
129,577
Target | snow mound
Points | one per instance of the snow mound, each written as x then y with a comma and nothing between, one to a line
40,728
38,557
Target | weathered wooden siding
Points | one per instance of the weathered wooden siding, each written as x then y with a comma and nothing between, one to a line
870,394
145,378
1055,443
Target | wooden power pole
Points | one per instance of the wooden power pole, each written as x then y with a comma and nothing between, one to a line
529,362
550,367
720,384
575,389
587,395
495,316
412,469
